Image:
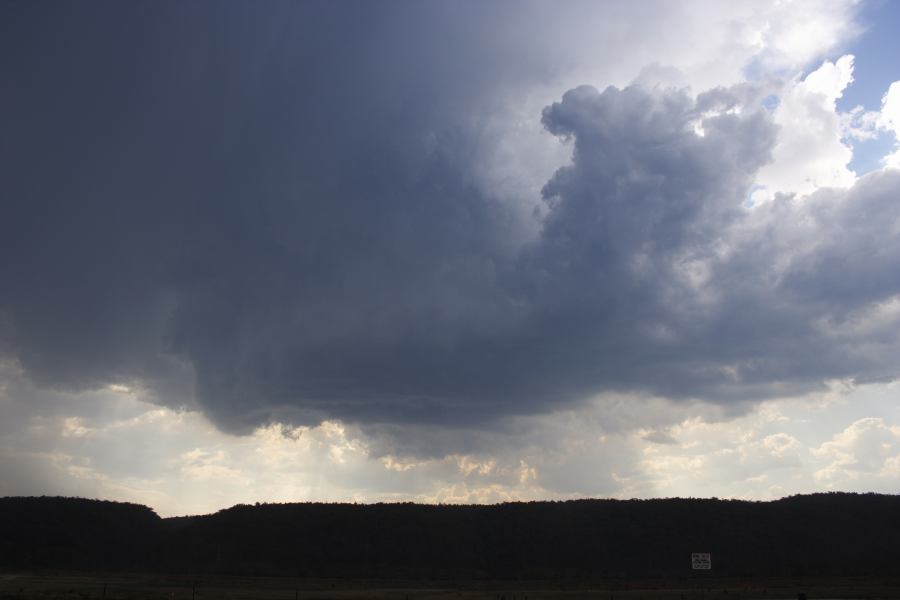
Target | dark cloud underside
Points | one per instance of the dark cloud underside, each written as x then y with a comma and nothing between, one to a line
275,213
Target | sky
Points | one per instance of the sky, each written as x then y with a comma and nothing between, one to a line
448,251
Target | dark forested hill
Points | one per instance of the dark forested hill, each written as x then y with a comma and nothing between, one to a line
39,533
820,534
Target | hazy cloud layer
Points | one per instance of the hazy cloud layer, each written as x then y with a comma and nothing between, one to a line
293,213
109,444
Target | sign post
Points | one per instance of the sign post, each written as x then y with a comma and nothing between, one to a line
701,561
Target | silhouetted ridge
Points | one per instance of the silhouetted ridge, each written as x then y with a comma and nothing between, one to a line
75,533
820,534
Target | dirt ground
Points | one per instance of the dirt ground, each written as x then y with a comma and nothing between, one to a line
157,587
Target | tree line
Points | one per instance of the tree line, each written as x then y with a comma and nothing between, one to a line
817,535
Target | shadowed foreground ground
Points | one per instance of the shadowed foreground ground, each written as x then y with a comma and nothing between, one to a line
149,587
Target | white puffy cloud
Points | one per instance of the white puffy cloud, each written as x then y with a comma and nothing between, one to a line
811,152
863,457
793,33
889,119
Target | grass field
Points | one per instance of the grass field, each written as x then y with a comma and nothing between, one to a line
156,587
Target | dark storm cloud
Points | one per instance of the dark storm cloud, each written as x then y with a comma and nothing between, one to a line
685,293
200,188
278,207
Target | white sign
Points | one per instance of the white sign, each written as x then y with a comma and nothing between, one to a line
701,560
